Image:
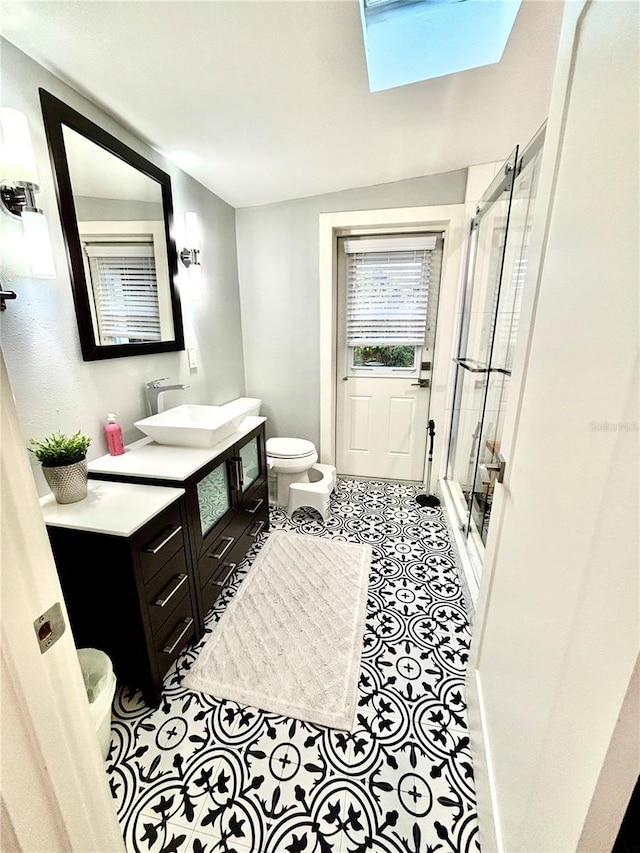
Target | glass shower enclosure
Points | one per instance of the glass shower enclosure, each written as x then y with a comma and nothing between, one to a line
488,327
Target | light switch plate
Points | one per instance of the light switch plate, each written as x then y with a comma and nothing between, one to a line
192,355
49,627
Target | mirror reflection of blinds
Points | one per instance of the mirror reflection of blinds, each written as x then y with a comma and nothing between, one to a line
125,287
388,290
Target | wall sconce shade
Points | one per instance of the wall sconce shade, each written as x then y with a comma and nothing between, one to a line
36,235
18,188
18,160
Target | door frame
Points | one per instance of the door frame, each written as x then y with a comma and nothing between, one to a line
449,219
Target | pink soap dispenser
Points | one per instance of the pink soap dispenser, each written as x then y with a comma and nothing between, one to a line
114,436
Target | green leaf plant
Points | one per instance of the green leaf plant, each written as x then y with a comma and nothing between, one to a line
58,449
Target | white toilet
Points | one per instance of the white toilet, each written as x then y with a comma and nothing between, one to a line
289,461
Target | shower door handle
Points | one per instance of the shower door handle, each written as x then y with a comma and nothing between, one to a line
462,362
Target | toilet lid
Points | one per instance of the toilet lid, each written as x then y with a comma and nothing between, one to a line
289,448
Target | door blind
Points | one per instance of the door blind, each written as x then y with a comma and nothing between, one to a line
125,288
388,291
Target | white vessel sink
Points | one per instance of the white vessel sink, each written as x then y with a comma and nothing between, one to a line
193,426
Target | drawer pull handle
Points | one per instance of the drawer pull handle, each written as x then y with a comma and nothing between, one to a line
257,529
160,602
229,540
222,581
254,509
181,629
152,548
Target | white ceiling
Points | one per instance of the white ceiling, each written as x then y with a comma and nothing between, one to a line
271,98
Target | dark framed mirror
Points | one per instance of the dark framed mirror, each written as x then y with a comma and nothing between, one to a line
117,218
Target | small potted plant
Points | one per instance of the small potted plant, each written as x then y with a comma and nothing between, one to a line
64,464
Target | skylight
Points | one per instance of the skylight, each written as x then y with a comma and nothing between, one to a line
411,40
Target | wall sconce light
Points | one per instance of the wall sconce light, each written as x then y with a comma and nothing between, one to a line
190,257
18,188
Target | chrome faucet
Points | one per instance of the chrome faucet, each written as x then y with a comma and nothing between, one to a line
155,388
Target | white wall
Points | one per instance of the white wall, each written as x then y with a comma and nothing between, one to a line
278,265
54,389
556,744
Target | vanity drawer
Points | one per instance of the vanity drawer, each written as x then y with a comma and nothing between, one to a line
174,635
219,578
254,507
166,590
244,528
218,554
159,540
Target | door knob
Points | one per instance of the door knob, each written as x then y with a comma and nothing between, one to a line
422,383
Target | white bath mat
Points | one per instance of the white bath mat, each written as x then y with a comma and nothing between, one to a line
290,640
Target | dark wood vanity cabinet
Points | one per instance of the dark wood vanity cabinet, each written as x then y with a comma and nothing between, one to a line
133,597
227,507
145,557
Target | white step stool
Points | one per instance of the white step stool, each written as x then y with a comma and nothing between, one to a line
315,493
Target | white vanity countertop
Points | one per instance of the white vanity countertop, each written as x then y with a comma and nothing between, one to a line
146,458
115,508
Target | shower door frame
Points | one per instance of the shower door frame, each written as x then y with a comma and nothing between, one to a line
468,538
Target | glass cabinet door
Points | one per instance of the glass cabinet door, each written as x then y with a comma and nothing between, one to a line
214,497
250,459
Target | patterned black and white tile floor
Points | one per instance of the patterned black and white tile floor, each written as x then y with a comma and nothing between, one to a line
202,775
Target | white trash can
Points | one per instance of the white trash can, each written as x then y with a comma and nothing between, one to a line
100,684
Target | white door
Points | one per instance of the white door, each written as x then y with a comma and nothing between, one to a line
54,794
556,634
384,370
